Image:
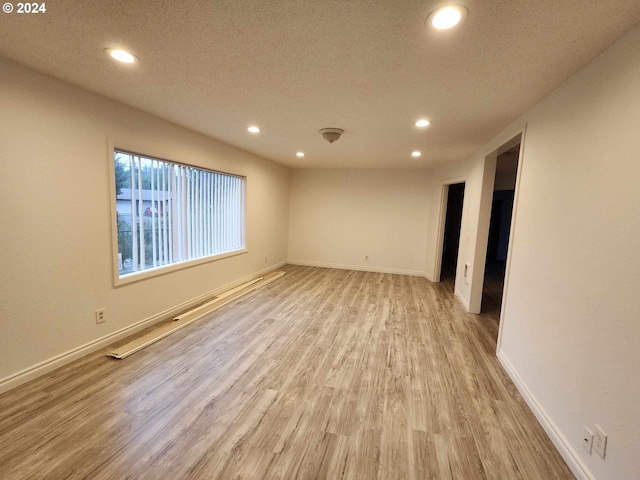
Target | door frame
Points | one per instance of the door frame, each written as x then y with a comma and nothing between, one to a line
444,197
514,216
482,238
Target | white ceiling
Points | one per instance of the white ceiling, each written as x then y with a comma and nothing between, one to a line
295,66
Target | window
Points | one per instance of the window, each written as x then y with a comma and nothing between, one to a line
167,213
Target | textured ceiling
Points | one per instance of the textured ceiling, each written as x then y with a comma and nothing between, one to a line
295,66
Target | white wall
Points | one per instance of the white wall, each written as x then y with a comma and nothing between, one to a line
571,327
469,172
338,217
55,247
506,170
570,331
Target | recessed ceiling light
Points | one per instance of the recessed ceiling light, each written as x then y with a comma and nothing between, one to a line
422,123
253,129
448,17
416,154
121,55
300,154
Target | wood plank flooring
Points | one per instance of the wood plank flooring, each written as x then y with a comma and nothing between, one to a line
327,374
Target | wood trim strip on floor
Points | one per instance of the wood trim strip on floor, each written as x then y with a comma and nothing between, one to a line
191,316
206,307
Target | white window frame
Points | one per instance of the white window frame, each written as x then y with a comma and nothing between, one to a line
118,280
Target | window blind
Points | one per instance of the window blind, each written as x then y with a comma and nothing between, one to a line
169,212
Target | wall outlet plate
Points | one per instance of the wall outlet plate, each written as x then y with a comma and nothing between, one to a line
600,442
101,315
587,440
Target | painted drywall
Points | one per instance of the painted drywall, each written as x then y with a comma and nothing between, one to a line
570,333
55,246
338,217
469,172
506,169
571,329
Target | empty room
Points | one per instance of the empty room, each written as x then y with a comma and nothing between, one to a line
320,240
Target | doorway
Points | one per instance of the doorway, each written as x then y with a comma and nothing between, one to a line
451,236
499,230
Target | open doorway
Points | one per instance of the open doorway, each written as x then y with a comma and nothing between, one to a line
499,230
451,236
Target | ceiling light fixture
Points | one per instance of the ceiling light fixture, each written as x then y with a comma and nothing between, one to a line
253,129
121,55
331,134
300,154
422,123
416,154
448,17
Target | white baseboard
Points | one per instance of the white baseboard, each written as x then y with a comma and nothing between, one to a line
428,276
567,452
358,268
461,299
39,369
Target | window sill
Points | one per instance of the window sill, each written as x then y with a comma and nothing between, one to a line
157,271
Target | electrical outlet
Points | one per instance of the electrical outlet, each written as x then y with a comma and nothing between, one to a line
265,259
600,442
366,258
101,315
587,440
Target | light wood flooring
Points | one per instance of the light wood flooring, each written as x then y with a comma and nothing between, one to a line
323,374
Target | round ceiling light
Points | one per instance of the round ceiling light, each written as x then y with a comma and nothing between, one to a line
416,154
448,17
121,55
422,123
300,154
253,129
331,134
